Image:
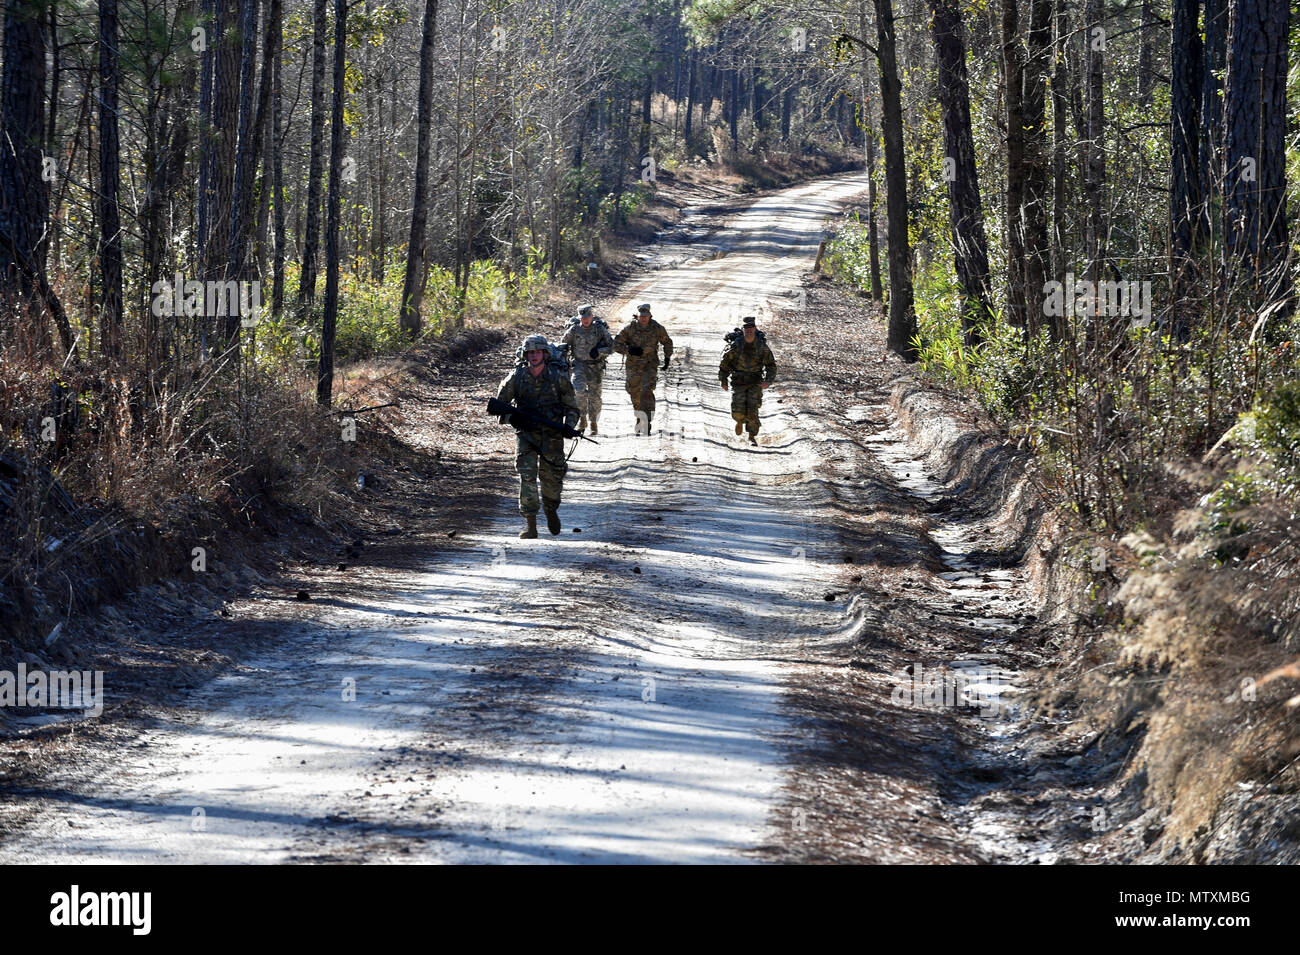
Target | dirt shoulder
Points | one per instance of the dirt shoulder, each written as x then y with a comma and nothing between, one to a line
427,471
939,580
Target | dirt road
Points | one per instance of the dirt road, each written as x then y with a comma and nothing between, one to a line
620,693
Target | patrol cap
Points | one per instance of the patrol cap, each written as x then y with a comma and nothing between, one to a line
587,310
643,308
749,321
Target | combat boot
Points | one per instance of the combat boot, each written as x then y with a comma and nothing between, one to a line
582,423
753,439
552,520
529,531
594,429
740,427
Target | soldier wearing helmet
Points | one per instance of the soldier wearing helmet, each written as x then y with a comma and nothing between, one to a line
640,341
537,386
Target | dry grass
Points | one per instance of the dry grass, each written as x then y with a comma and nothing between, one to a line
138,476
1189,670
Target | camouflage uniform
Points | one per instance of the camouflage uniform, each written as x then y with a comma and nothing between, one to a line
550,395
643,369
588,372
748,366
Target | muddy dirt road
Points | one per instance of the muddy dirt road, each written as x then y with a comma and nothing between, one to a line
619,693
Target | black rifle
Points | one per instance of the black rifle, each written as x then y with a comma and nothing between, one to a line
496,406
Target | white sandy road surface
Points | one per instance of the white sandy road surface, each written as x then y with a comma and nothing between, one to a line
607,696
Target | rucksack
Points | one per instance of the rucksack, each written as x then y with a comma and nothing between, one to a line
555,357
736,337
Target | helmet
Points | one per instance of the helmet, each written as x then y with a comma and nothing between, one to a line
587,310
749,320
535,343
643,308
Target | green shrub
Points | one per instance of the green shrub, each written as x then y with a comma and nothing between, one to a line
848,257
1278,430
368,325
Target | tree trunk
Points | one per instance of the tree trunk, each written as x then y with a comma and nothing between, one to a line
787,107
735,110
690,101
329,320
624,135
112,342
1094,177
966,213
1214,62
873,215
168,143
311,236
1036,163
242,189
413,281
1060,129
24,197
1146,57
1013,65
278,210
902,317
1187,201
869,137
645,117
1255,148
52,147
207,140
225,122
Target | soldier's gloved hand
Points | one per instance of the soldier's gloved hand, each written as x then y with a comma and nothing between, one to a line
635,350
595,352
666,360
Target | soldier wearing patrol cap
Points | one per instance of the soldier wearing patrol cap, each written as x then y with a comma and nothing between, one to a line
589,343
749,366
640,342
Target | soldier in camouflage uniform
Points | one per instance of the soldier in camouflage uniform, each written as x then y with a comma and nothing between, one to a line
751,367
589,344
640,341
544,390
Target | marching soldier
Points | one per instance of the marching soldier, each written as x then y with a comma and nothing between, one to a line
543,389
640,341
589,343
750,367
